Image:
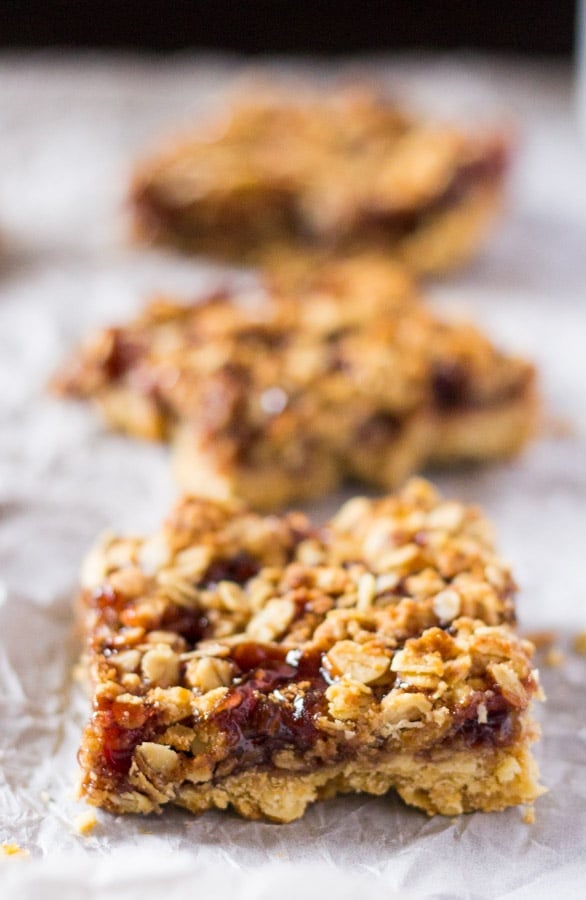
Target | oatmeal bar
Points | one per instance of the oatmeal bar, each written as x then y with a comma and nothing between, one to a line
264,663
347,170
278,396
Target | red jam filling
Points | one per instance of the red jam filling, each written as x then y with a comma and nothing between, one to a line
239,568
496,731
123,726
257,716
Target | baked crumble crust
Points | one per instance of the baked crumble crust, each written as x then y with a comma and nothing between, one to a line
348,170
265,663
319,375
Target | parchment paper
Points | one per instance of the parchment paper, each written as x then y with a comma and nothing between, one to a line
70,129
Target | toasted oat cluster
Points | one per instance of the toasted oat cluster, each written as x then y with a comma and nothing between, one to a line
323,375
347,170
264,663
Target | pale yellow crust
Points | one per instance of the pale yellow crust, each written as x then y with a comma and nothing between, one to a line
263,664
460,782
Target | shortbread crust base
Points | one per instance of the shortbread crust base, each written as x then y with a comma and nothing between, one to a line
448,783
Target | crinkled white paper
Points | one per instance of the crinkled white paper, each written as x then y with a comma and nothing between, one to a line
69,132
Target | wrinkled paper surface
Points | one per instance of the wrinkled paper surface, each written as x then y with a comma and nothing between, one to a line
70,130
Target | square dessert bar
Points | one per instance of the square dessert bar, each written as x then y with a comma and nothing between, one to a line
327,374
345,170
264,663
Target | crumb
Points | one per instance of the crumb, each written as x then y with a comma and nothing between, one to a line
85,822
529,815
542,640
559,427
579,643
78,673
45,797
13,850
554,658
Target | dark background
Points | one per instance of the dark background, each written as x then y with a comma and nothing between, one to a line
284,26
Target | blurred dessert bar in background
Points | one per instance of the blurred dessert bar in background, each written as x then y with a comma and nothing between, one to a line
279,394
341,171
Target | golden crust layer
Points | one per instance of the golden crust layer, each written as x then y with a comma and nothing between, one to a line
346,171
323,374
263,663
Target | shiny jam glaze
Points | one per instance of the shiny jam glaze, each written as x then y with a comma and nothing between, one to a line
108,603
239,568
190,623
497,731
259,716
122,726
116,611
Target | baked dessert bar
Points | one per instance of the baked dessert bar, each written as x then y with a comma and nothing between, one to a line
263,663
347,170
277,396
